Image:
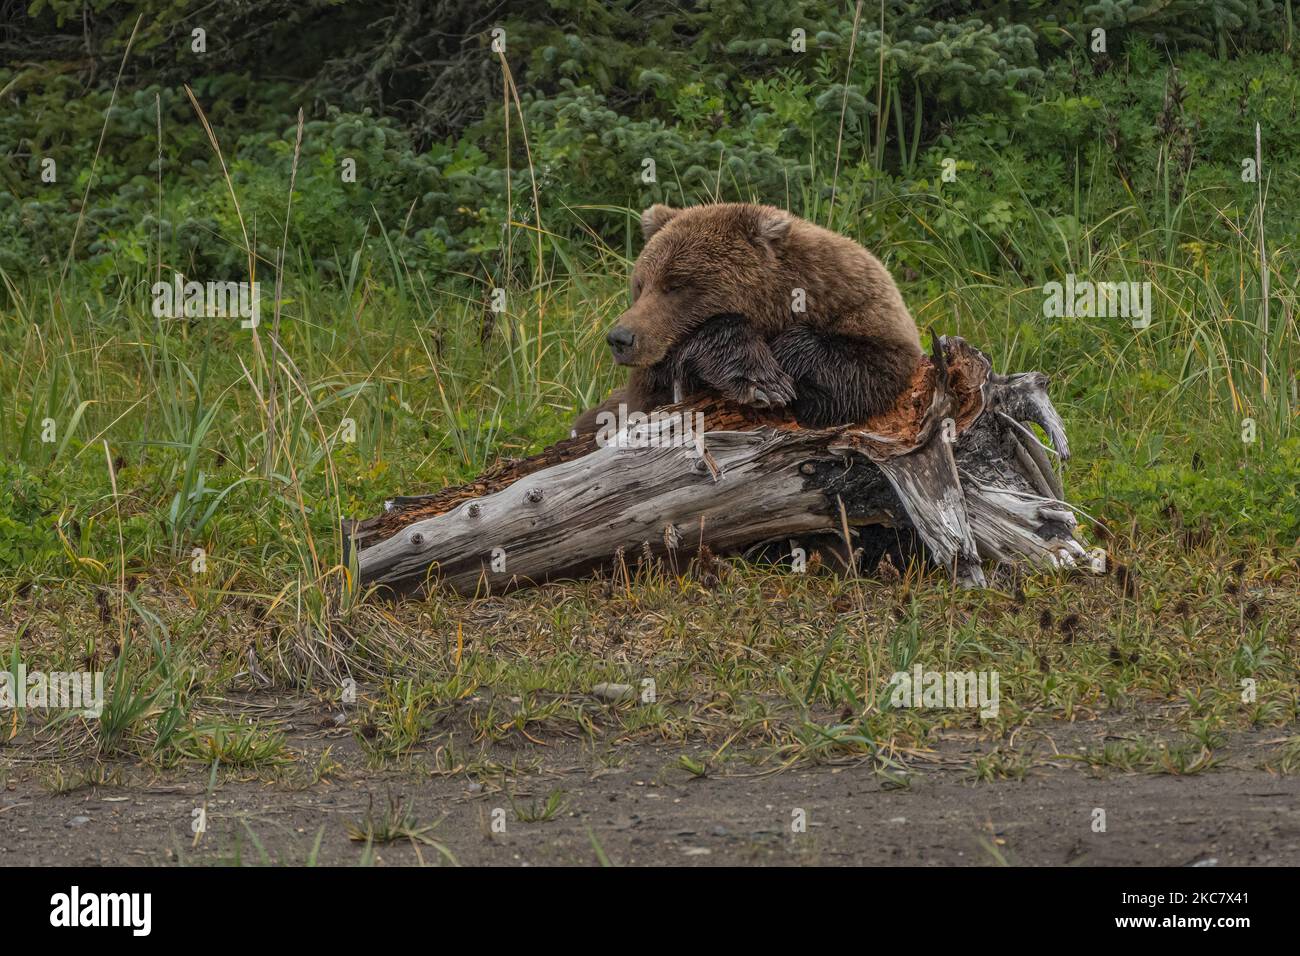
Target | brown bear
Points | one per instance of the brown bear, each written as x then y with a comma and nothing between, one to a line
764,307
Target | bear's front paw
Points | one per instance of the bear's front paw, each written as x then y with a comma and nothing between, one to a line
769,391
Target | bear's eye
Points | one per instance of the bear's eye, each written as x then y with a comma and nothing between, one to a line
636,289
675,285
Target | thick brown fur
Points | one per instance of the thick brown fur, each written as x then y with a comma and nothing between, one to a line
722,278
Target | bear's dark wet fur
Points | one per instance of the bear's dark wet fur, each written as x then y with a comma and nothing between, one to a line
826,380
839,379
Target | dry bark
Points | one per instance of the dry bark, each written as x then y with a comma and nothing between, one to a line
954,462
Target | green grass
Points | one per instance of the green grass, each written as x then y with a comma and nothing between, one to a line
173,491
396,823
733,662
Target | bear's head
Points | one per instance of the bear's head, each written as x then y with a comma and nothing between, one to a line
697,263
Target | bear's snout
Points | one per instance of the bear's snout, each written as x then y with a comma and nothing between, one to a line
622,340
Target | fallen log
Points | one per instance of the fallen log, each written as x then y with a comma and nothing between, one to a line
955,462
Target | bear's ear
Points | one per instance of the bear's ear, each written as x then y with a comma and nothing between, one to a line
655,218
774,226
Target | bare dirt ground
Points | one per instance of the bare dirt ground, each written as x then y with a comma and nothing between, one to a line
572,803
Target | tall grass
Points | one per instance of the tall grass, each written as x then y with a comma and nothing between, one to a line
386,380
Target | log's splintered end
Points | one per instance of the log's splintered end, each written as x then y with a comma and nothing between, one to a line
345,526
940,360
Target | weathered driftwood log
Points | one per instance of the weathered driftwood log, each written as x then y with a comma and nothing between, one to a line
954,462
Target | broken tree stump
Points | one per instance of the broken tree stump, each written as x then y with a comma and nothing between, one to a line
955,461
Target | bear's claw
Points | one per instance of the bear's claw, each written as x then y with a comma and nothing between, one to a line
761,394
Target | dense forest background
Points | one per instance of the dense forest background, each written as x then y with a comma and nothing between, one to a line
711,91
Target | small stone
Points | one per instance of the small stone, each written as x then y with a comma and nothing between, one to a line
613,692
78,821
